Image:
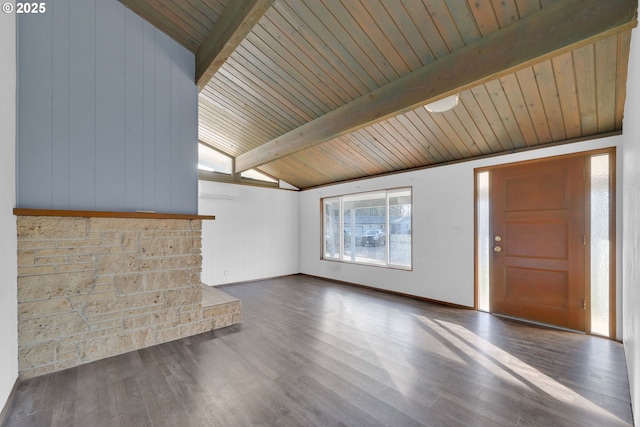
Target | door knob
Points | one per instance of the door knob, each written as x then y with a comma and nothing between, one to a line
497,248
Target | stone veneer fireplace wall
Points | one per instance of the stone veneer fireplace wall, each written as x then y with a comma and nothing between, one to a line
94,287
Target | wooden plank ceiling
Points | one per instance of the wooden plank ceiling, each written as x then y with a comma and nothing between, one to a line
320,91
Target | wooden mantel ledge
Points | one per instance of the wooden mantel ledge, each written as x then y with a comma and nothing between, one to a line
102,214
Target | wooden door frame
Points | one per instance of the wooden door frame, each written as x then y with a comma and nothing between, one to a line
612,229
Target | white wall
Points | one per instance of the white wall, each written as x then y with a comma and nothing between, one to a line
254,235
443,228
8,244
631,225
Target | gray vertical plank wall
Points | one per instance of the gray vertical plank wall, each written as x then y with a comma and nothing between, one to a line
107,112
162,145
60,97
188,122
134,102
82,104
35,112
148,116
110,67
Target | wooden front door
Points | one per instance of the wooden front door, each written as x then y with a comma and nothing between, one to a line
538,231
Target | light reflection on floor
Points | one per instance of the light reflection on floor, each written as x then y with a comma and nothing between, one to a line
510,369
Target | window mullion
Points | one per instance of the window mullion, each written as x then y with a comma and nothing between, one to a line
386,226
341,236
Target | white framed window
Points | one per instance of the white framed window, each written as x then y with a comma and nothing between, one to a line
255,175
369,228
213,161
214,165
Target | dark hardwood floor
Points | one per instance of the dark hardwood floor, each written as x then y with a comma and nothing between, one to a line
315,353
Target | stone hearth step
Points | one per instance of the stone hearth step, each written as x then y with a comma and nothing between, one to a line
224,309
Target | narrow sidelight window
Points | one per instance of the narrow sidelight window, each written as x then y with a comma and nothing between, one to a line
483,239
600,244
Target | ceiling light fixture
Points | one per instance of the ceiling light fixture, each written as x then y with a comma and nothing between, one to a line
445,104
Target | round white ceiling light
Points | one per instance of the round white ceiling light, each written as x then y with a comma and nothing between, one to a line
445,104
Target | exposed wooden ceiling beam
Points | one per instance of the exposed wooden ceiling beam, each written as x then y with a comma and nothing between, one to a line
563,26
232,27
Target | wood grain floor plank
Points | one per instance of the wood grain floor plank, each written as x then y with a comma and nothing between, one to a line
312,352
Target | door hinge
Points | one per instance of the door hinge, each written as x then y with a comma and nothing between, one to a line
584,174
584,304
584,239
